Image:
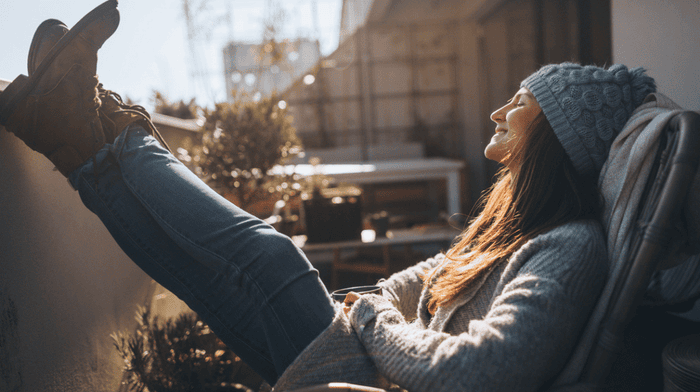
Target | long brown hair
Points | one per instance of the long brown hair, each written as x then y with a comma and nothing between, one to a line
545,193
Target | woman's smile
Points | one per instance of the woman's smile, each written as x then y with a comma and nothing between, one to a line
500,133
512,121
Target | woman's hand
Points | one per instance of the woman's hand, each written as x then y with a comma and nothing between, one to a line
350,299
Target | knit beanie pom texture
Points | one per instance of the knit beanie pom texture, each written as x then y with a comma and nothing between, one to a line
587,106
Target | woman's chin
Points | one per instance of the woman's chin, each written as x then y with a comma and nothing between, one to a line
493,153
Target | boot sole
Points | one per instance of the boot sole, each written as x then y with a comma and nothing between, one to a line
12,95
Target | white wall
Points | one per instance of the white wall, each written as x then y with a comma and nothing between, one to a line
65,285
662,36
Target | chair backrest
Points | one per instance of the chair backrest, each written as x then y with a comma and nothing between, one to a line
663,198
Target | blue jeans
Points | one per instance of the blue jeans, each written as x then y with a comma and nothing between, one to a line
253,287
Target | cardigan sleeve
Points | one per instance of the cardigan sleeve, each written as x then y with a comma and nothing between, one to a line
521,343
403,289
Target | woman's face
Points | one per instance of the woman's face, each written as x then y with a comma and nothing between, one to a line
512,121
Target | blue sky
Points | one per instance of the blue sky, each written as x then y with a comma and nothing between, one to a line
150,50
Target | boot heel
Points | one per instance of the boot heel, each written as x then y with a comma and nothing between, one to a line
11,96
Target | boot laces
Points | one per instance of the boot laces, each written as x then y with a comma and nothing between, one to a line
114,95
134,108
92,94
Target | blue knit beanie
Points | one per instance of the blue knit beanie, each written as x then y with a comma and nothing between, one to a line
587,106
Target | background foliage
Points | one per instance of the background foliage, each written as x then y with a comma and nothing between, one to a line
241,142
180,354
175,109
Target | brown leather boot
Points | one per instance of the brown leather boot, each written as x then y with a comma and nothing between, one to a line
114,113
54,110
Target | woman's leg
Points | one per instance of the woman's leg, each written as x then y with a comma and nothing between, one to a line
253,287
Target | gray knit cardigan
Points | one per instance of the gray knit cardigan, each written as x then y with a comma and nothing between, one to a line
512,331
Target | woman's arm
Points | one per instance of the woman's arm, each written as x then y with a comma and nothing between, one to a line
523,341
403,289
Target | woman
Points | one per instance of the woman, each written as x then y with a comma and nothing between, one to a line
501,310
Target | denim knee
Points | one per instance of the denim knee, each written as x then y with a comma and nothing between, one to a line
280,246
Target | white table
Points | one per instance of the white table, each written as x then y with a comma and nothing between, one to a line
390,171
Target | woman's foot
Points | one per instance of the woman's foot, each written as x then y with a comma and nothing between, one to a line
55,109
115,115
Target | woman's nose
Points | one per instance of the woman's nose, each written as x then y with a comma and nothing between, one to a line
499,115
